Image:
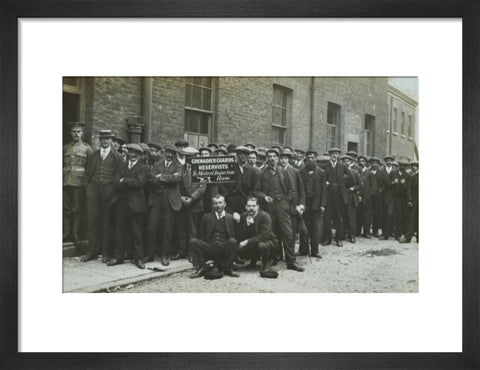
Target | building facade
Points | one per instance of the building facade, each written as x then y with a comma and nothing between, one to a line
366,114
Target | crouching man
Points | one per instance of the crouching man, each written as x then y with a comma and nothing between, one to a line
216,240
256,235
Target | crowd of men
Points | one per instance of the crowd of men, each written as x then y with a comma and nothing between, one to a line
142,201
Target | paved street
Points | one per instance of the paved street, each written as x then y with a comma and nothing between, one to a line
368,266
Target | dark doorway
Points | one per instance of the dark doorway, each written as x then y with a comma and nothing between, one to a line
71,113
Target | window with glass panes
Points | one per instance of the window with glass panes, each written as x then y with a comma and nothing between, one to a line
198,109
369,134
333,124
281,111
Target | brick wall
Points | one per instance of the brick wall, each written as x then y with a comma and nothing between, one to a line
242,109
356,96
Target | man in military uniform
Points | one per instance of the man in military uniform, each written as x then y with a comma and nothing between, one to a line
74,161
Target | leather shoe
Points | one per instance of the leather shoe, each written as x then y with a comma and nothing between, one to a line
316,255
300,253
327,242
352,240
376,235
339,243
295,267
403,240
147,259
231,273
105,259
88,257
199,273
366,236
383,237
139,264
165,260
114,261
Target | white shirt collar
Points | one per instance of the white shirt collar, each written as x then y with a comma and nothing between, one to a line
105,151
221,215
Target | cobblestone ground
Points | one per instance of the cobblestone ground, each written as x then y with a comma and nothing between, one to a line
368,266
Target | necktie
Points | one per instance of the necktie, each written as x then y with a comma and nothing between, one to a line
130,164
103,153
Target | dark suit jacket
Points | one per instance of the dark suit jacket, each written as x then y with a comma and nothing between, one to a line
319,187
169,182
262,228
388,184
263,185
131,186
341,171
299,190
412,189
194,190
208,221
245,183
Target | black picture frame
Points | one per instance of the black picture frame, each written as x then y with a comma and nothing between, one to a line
10,11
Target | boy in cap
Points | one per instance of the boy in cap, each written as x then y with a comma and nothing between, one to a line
74,180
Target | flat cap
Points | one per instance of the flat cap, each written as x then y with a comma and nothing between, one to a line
273,150
250,144
213,145
155,145
388,157
323,158
375,159
136,147
352,154
171,148
314,152
346,157
145,147
362,156
286,152
205,148
221,150
189,150
300,151
331,150
243,149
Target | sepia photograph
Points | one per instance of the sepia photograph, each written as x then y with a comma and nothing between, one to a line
240,184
